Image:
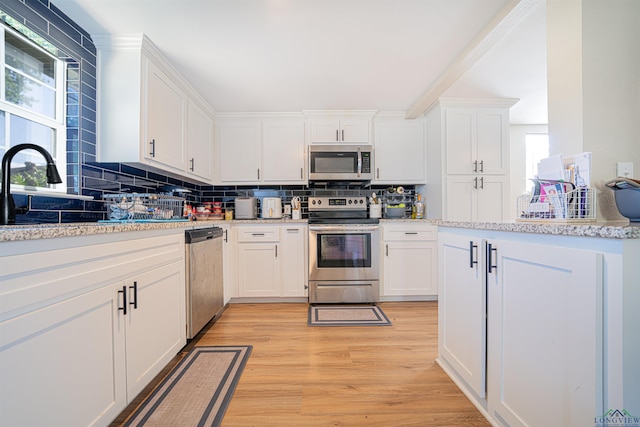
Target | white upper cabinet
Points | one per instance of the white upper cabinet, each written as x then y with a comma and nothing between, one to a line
399,147
258,150
143,108
165,105
336,127
200,137
239,152
477,140
283,153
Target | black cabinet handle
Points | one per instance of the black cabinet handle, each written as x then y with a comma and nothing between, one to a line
490,265
472,261
482,182
226,239
123,291
134,303
276,251
475,183
342,134
153,148
386,249
481,165
192,164
475,166
337,138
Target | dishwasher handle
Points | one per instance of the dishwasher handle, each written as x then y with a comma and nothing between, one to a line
202,234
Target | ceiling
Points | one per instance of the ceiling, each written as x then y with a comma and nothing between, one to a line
293,55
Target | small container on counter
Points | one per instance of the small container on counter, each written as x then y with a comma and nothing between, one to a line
228,214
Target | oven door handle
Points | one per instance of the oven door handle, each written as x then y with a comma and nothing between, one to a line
343,229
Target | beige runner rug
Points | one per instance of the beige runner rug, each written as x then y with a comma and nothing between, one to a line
198,390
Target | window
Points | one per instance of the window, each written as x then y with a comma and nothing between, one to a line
537,148
31,110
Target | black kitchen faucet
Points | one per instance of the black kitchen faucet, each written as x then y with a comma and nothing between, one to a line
7,206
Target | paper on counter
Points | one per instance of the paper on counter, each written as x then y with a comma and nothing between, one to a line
551,168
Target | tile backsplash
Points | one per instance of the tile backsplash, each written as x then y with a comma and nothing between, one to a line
113,178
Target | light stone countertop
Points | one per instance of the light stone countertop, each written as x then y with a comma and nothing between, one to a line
10,233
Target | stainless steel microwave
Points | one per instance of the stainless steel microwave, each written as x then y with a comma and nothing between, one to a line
340,162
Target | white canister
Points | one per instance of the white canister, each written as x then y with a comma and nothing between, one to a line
375,210
295,214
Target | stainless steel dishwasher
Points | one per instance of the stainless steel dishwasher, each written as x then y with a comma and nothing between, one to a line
205,298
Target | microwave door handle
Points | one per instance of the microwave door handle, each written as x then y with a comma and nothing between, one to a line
359,162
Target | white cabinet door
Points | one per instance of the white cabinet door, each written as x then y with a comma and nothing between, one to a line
351,130
400,152
64,364
545,323
354,131
294,260
472,198
462,329
240,150
229,262
325,130
460,197
283,146
476,140
259,270
492,146
155,323
410,268
492,198
460,140
199,142
165,110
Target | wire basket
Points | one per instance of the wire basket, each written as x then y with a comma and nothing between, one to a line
132,206
574,206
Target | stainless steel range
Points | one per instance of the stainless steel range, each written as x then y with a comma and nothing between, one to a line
344,250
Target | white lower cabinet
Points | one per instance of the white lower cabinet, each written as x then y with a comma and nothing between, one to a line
294,260
154,323
271,260
65,340
410,260
520,327
228,262
64,365
462,309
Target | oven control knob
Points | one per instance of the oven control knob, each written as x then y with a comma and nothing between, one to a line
361,201
350,201
319,202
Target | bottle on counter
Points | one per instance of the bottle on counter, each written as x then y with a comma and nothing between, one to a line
419,205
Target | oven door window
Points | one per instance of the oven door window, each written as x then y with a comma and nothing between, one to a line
344,250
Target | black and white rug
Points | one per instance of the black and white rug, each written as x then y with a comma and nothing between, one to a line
198,390
347,315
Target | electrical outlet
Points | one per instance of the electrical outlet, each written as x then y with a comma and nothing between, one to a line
624,169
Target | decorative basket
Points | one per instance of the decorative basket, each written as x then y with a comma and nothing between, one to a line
575,206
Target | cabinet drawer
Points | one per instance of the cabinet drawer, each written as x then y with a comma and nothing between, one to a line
259,234
407,231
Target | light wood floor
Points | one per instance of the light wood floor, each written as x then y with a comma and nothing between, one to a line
339,376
